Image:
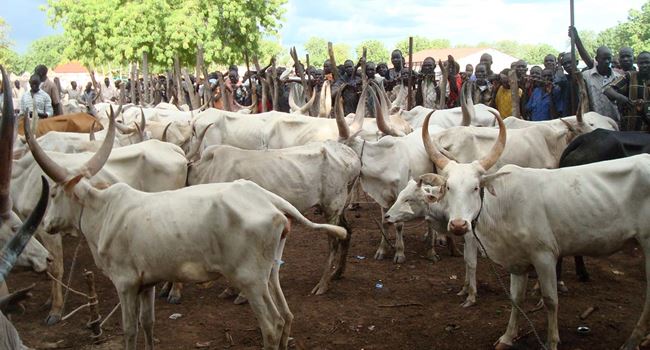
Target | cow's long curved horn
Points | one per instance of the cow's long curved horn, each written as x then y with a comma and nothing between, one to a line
467,104
193,152
305,108
252,105
436,157
56,172
95,164
164,134
6,144
491,158
382,124
292,101
142,126
344,129
91,133
123,129
325,100
15,246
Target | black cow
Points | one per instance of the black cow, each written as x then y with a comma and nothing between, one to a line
597,146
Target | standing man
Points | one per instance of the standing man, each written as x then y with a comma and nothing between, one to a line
352,90
482,90
632,93
544,97
37,97
108,91
596,79
426,94
49,88
17,91
73,92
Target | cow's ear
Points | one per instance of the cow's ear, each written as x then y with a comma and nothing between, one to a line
431,180
68,187
488,180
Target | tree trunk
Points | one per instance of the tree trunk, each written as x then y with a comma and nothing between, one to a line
145,74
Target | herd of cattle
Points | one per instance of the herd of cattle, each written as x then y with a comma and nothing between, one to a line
218,190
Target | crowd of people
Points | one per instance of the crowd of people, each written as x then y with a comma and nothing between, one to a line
616,88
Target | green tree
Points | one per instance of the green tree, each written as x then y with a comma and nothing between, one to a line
120,31
48,51
635,32
421,43
7,56
375,51
534,54
316,47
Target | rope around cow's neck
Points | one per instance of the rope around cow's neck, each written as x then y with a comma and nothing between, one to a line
494,270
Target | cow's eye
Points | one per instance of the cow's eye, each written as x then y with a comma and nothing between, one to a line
475,189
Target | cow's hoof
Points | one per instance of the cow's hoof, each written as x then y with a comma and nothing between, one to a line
319,289
379,256
561,287
502,346
434,257
399,259
173,299
52,319
468,303
240,300
227,293
462,292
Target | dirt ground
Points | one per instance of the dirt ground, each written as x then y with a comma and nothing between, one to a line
416,309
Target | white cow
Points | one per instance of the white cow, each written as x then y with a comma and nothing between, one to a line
531,217
273,130
316,174
193,234
150,166
591,120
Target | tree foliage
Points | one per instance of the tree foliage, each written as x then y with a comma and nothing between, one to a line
531,53
48,50
634,33
120,31
316,47
421,43
375,51
7,56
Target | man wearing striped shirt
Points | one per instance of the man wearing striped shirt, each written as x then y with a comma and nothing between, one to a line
36,97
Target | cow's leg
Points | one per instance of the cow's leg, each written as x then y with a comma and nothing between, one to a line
400,257
270,322
453,248
281,304
518,293
581,269
558,274
545,267
165,289
54,244
344,247
471,257
432,254
129,300
383,245
641,327
328,269
175,293
147,315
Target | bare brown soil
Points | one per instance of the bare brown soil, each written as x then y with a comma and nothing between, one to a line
416,309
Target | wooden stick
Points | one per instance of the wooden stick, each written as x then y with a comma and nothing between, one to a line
401,305
264,83
145,74
514,90
95,318
190,89
573,58
335,69
275,85
409,104
444,70
588,312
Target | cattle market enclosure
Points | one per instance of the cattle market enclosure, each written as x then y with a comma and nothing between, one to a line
417,307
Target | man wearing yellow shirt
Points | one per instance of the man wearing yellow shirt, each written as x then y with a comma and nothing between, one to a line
503,98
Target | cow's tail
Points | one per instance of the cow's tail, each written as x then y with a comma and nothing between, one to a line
291,211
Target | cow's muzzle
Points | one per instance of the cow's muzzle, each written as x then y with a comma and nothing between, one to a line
458,227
